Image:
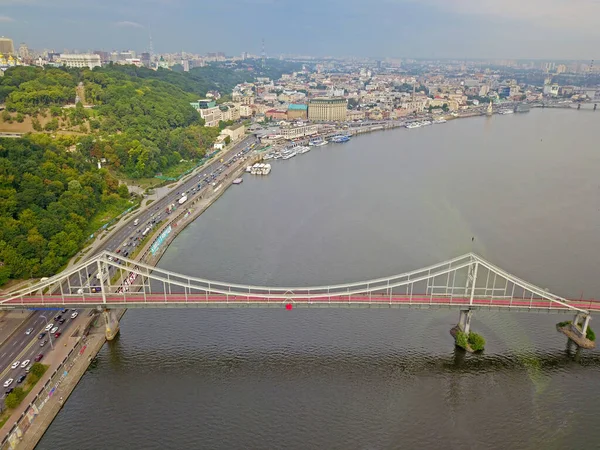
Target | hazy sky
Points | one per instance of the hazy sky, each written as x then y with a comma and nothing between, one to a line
411,28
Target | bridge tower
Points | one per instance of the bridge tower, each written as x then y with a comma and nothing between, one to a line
112,324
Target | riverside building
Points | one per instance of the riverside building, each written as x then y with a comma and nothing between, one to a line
327,109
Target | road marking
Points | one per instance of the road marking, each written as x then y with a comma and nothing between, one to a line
25,350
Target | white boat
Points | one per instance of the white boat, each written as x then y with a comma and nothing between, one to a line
414,125
321,143
249,169
266,169
440,121
507,111
302,150
289,154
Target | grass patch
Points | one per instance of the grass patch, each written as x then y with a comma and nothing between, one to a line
18,394
590,334
77,260
476,341
471,342
149,202
461,340
109,211
4,417
178,169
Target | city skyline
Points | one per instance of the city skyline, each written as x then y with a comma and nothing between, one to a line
538,29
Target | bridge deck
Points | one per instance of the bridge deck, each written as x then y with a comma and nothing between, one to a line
181,300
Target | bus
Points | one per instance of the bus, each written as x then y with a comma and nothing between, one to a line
146,231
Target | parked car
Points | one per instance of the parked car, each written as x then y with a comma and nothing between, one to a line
57,335
41,335
21,379
39,357
54,330
44,342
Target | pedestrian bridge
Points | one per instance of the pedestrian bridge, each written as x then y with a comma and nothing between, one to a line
466,282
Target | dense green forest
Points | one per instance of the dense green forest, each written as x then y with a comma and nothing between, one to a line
141,122
48,193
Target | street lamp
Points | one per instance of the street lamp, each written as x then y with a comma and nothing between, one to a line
49,334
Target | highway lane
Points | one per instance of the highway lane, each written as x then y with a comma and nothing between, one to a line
26,347
19,341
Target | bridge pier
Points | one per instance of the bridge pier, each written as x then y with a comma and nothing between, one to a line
112,324
463,337
464,320
577,330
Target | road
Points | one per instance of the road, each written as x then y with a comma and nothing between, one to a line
22,346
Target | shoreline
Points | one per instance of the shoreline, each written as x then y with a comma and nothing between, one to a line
200,202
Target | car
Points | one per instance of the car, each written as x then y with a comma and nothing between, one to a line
57,334
124,244
57,317
21,379
39,357
8,382
49,327
64,311
15,364
61,321
54,330
44,342
41,335
119,250
25,363
75,314
8,391
28,331
28,368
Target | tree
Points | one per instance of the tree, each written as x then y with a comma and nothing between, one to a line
20,118
6,117
52,125
227,139
445,107
37,126
123,191
12,401
38,369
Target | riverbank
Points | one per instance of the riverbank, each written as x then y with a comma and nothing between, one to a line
23,433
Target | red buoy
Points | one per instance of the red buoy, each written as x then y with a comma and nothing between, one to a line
288,306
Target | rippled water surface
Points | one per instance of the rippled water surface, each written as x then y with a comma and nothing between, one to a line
525,186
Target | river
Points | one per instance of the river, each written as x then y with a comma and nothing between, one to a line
525,186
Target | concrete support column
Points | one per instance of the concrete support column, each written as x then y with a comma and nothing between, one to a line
112,324
586,323
464,320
